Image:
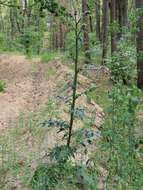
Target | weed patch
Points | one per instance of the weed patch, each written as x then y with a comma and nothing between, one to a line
2,85
49,56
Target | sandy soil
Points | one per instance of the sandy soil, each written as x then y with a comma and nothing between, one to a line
27,87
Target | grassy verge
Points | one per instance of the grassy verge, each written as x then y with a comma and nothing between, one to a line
100,95
23,146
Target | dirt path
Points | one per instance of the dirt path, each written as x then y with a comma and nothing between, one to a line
27,87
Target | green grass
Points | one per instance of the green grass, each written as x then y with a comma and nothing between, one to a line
50,73
100,95
49,56
11,52
31,56
22,145
2,85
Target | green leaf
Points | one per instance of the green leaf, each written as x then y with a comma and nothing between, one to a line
61,125
79,113
86,91
61,153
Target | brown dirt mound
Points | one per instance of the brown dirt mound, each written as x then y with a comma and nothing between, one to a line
27,87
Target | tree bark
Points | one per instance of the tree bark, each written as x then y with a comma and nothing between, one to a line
104,28
139,4
91,25
12,22
85,32
113,18
121,8
98,31
61,36
124,12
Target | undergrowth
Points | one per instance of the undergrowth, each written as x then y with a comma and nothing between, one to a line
2,85
49,56
117,152
21,147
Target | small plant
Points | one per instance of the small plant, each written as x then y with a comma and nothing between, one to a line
48,176
2,85
118,154
123,62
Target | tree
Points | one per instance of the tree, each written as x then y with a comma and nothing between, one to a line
124,12
113,18
12,22
104,28
139,5
121,15
85,32
98,31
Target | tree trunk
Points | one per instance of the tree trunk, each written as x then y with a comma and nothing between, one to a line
86,37
98,31
56,43
122,7
29,12
113,18
119,17
124,12
91,25
61,36
104,28
132,6
52,29
2,24
139,4
12,22
51,34
17,21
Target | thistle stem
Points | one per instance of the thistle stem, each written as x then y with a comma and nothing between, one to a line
74,86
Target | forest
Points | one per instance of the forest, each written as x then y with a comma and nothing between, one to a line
71,94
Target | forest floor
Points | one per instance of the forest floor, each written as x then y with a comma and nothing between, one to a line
25,87
29,98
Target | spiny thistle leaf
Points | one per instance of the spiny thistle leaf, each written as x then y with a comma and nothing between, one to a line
94,67
86,136
61,153
86,91
61,96
60,124
68,85
83,176
79,113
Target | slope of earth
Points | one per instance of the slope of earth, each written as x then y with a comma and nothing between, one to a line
29,98
27,87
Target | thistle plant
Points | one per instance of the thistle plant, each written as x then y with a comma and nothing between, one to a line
60,155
